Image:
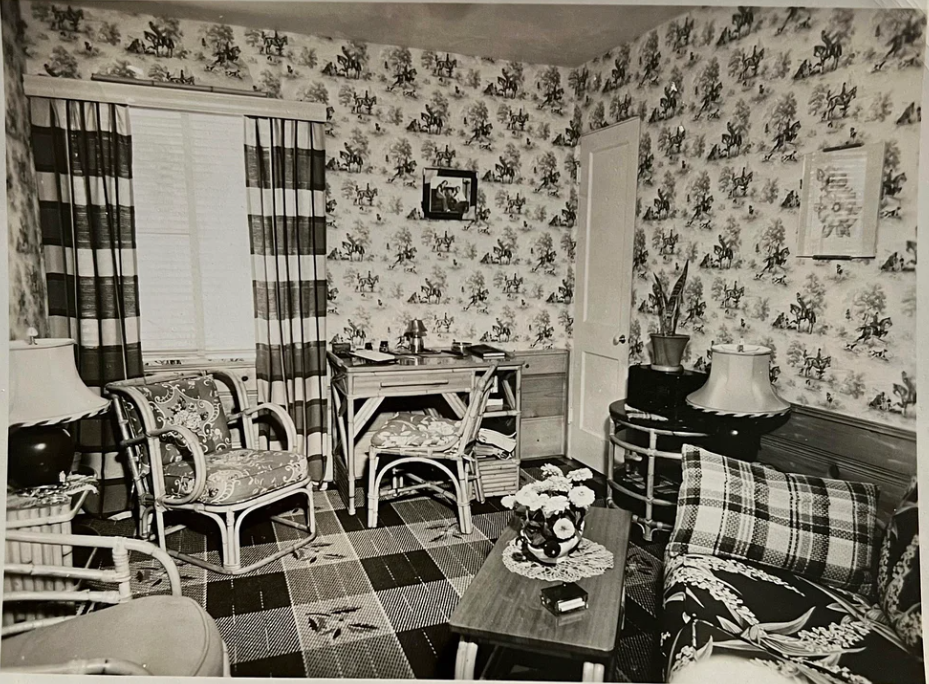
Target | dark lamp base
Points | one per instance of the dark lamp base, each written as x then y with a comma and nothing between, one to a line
38,455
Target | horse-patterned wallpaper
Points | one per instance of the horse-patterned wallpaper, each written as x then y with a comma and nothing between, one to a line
27,308
504,277
731,99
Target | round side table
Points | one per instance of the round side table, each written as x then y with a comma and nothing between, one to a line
663,437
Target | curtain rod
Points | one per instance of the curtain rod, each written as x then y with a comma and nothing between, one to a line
106,78
178,99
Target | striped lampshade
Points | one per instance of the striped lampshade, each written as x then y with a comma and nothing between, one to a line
45,388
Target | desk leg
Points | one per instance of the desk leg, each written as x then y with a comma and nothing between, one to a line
467,659
350,452
593,672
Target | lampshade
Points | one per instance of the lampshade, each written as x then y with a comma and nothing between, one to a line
45,387
739,383
416,328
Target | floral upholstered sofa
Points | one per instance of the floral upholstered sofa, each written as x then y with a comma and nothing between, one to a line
786,578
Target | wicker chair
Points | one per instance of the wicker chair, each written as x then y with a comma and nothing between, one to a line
153,635
411,438
175,432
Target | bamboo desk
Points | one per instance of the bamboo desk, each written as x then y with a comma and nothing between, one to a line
356,381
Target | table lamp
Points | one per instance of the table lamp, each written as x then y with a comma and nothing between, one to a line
415,331
46,393
739,399
739,383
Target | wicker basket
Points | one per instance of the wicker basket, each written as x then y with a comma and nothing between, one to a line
40,554
499,476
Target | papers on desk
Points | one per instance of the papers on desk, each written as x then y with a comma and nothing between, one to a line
496,440
371,355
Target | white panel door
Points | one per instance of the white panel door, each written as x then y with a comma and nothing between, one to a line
606,223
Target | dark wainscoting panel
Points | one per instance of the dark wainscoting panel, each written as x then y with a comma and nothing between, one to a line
816,442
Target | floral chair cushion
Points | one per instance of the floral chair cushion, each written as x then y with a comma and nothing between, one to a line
237,475
808,632
898,571
192,403
417,431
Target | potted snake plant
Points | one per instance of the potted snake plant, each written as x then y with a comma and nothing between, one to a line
667,346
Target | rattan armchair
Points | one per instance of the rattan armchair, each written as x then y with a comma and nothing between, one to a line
439,442
176,435
153,635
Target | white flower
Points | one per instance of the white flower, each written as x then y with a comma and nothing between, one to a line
555,504
580,475
549,470
541,486
581,497
526,495
559,483
539,502
564,528
509,501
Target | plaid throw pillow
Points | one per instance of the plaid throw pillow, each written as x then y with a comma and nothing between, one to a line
821,529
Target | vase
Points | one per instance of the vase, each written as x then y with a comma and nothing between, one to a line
554,551
667,352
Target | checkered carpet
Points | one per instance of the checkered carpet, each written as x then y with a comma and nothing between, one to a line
375,603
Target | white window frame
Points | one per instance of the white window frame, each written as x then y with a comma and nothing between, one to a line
182,100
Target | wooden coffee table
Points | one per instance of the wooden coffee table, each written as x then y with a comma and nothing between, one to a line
501,608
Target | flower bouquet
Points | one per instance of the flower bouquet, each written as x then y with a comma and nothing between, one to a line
552,512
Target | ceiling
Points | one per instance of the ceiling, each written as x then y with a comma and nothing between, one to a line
563,34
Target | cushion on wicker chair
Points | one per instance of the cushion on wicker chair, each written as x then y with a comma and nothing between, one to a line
237,475
410,430
189,402
170,636
898,588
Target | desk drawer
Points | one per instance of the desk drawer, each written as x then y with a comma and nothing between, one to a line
543,362
410,382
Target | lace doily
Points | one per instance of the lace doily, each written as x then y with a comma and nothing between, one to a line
589,559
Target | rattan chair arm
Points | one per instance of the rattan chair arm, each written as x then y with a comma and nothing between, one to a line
290,429
193,445
119,545
232,380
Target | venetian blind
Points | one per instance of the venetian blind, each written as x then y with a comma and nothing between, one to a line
195,283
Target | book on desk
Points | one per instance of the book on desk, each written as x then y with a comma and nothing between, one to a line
486,352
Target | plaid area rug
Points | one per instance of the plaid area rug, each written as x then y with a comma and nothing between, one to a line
375,603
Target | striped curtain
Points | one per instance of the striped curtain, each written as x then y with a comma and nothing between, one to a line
83,162
285,162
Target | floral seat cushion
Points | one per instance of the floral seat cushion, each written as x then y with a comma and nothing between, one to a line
189,402
806,631
237,475
417,431
898,586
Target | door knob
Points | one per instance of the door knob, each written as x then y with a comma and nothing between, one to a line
620,339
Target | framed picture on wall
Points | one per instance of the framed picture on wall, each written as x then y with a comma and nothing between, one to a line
841,201
449,194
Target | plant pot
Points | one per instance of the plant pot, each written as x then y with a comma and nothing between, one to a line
554,551
667,352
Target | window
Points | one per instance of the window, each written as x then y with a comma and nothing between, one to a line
192,235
